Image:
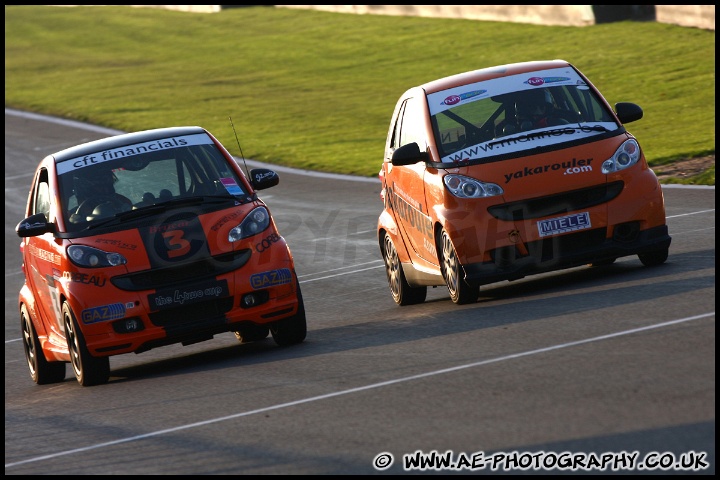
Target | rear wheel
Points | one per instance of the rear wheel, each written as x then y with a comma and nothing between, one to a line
460,291
291,330
88,370
401,291
651,259
41,371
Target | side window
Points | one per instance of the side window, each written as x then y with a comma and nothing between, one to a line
395,141
42,196
411,125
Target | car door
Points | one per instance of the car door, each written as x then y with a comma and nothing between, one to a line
406,185
42,258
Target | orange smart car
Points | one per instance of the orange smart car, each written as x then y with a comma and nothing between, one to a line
148,239
508,171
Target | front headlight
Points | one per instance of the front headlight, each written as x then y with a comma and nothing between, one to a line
256,222
626,156
466,187
90,257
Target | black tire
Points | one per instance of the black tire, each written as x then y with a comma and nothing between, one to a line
252,333
402,293
41,371
652,259
88,370
460,291
291,330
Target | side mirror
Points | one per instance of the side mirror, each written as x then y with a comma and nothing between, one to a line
262,178
34,225
628,112
408,155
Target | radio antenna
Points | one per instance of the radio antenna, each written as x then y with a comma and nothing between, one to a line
238,142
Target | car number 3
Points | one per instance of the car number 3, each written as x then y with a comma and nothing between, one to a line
177,246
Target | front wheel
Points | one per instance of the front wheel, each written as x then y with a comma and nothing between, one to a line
651,259
400,289
460,291
41,371
291,330
88,370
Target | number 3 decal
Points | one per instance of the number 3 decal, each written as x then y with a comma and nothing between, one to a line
177,246
176,239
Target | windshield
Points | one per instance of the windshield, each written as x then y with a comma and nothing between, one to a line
138,176
515,113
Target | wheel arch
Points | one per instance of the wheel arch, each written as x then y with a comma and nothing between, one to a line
388,226
27,300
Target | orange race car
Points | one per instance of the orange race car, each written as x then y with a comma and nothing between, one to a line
148,239
508,171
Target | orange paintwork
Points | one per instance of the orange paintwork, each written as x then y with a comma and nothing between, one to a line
172,272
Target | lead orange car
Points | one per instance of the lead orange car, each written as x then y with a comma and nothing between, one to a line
148,239
508,171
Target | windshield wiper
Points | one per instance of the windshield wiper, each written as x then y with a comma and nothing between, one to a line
156,208
196,200
130,214
596,128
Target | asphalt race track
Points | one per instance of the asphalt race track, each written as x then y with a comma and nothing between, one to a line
614,364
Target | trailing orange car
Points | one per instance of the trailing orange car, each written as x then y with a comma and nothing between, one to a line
147,239
509,171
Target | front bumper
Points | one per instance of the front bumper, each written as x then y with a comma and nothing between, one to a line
191,302
566,251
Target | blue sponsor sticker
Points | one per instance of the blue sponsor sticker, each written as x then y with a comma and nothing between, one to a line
270,278
537,81
455,99
103,313
231,186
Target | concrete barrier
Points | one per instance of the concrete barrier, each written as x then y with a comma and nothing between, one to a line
700,16
568,15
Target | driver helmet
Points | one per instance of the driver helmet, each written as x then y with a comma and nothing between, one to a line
533,104
89,182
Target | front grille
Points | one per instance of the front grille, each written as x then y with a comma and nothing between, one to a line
567,245
210,312
557,204
553,248
158,278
